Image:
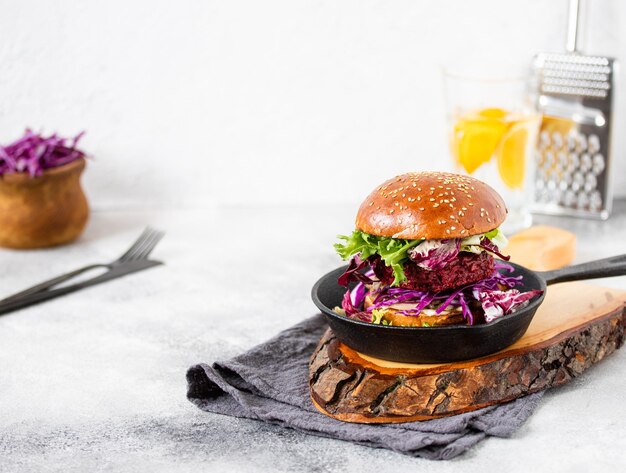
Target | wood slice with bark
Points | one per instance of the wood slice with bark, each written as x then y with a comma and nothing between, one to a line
577,326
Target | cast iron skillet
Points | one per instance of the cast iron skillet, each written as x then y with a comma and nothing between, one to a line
452,342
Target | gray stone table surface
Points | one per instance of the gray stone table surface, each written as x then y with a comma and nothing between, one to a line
95,381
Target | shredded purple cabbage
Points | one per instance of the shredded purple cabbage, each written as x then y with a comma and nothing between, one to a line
435,254
498,303
488,292
488,245
34,153
353,272
353,311
357,295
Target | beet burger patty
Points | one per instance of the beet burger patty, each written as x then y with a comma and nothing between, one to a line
466,268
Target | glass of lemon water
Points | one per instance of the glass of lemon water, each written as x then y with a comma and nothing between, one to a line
492,129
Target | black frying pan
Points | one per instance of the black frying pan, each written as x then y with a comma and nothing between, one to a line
451,342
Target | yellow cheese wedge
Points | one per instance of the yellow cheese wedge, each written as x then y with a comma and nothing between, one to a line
542,248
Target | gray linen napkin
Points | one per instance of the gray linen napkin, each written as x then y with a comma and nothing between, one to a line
270,383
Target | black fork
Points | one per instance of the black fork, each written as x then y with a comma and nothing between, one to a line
133,260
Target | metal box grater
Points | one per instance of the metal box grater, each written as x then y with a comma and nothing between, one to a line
574,93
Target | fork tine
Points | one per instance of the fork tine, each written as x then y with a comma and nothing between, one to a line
126,256
133,255
146,247
149,245
157,239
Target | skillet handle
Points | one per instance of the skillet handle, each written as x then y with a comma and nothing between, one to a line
602,268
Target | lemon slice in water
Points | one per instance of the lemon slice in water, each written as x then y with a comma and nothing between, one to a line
476,136
511,155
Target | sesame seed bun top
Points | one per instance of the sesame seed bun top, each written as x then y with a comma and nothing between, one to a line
431,205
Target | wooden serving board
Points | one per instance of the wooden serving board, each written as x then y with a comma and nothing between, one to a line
577,326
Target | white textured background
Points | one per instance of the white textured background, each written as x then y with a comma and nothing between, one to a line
202,102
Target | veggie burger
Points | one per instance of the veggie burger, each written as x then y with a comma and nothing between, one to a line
423,252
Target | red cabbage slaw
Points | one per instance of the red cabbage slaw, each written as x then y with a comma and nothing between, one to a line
435,254
33,153
488,292
432,255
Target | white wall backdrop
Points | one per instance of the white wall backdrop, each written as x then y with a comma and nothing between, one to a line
202,102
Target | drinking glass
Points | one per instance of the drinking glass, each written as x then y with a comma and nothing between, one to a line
493,129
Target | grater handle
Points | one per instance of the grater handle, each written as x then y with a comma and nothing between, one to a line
572,27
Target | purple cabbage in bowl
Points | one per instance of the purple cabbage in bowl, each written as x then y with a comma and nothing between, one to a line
34,153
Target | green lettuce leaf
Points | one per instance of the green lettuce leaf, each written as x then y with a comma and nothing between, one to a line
470,244
393,251
497,238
